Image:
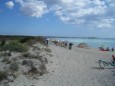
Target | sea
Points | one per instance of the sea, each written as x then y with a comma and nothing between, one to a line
92,42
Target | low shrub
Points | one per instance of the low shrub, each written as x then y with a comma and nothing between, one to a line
33,70
26,39
27,62
43,70
6,60
7,54
3,75
2,43
41,40
36,48
31,42
47,49
14,46
26,54
14,66
24,62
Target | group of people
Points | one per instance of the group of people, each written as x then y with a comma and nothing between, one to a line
107,49
60,43
64,44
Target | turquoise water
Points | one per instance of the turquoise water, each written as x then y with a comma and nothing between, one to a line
95,43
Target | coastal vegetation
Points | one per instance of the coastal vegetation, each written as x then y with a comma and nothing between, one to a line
22,54
14,46
3,75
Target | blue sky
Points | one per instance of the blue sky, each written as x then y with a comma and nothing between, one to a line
79,18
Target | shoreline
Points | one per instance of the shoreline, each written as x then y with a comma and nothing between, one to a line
94,43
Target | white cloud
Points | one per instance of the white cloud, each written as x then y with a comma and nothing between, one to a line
105,23
80,10
19,1
32,8
9,4
87,12
97,13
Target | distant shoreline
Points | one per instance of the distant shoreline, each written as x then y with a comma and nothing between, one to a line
54,36
94,43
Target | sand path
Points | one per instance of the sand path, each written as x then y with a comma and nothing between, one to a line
78,67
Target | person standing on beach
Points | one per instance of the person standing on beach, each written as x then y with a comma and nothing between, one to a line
65,44
70,46
108,49
47,42
112,49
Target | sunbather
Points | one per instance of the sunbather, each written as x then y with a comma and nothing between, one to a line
104,63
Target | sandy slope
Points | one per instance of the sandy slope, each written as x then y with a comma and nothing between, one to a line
76,67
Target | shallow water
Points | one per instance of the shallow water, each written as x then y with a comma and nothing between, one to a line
95,43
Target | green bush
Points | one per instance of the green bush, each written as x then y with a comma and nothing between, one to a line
3,43
41,40
3,75
14,66
6,60
30,40
26,39
14,46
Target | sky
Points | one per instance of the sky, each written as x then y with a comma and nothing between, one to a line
71,18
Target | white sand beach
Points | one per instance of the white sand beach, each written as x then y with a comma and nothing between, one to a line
76,67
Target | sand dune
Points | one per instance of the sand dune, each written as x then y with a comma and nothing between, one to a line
76,67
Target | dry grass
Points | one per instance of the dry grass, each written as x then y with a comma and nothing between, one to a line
47,50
